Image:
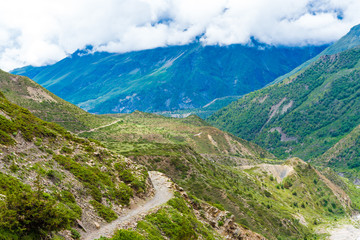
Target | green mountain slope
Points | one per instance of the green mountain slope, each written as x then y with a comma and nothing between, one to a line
228,172
50,178
304,115
350,40
138,132
165,79
344,155
46,105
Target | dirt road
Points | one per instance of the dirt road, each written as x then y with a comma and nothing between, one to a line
103,126
163,193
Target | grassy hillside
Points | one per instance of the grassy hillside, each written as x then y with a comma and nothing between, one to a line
46,105
49,178
139,132
344,155
210,169
258,201
303,116
165,79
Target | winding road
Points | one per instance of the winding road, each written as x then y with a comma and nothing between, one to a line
163,193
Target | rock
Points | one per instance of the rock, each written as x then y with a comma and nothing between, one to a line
97,225
80,224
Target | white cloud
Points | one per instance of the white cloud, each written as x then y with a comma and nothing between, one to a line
40,32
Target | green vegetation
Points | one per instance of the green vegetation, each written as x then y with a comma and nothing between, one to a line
58,182
257,200
103,211
345,155
174,221
27,214
140,133
303,116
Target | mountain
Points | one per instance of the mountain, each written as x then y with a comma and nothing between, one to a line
47,106
305,114
165,79
350,40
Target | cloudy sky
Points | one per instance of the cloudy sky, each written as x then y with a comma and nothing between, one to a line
40,32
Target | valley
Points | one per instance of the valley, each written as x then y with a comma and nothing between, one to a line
277,163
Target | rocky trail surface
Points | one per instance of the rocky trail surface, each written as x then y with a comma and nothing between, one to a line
163,193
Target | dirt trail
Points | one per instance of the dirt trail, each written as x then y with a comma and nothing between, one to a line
163,193
349,231
97,128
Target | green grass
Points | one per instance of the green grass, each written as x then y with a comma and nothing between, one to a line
141,132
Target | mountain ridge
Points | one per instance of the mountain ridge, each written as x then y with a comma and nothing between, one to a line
166,79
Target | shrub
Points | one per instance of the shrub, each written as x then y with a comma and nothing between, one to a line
267,193
126,176
105,212
124,234
75,234
122,194
287,183
67,150
29,213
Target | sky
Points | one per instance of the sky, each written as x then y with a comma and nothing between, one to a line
41,32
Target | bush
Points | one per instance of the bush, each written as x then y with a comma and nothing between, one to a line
75,234
122,194
287,183
67,150
105,212
124,234
29,213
